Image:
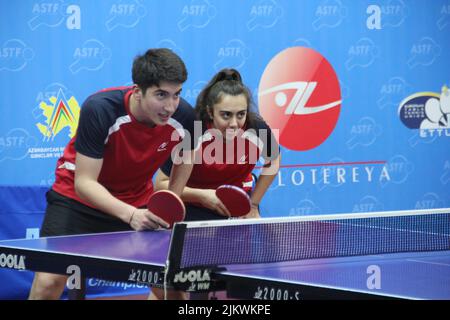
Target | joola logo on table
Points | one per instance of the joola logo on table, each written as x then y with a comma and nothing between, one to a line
12,261
192,276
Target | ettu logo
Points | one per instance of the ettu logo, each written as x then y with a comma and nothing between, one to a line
12,261
426,110
192,276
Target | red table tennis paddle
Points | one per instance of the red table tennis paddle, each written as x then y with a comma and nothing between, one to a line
167,205
235,200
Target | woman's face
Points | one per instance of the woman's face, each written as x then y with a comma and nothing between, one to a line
229,115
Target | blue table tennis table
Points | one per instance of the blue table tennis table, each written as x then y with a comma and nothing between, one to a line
141,257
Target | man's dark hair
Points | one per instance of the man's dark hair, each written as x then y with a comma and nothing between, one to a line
158,65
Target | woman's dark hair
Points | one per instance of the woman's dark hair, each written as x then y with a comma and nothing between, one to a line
226,81
158,65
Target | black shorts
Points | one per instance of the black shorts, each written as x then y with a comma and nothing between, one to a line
194,213
66,216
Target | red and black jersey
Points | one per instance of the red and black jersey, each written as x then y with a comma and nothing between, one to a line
131,151
230,162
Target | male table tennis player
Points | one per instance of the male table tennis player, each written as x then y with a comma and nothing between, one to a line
224,108
104,178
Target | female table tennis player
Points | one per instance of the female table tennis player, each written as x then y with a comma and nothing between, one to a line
233,140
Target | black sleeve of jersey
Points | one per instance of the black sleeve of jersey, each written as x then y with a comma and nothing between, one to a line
271,148
185,115
92,130
167,167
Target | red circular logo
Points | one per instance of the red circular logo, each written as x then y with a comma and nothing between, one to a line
299,95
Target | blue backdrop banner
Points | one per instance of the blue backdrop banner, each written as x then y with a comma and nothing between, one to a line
358,89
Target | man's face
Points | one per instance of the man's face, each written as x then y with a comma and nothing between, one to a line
158,104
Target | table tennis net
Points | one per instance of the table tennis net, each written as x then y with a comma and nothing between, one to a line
274,239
